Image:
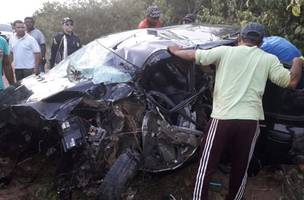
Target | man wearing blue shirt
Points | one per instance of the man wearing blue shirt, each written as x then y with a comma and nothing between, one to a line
283,49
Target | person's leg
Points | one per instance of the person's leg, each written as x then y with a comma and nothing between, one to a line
241,148
214,144
19,74
41,66
22,73
27,72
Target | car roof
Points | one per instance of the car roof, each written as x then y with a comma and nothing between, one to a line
196,32
6,30
5,27
193,34
137,45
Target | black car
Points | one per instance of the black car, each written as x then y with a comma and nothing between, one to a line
123,103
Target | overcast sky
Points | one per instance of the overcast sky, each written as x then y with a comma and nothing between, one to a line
12,10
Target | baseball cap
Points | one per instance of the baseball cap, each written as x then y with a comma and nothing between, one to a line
66,19
189,18
253,31
153,11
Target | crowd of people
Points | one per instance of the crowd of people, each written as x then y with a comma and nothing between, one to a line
241,71
25,52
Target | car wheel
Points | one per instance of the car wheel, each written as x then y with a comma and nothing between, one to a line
117,178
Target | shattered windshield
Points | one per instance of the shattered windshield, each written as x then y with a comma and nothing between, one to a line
97,63
111,59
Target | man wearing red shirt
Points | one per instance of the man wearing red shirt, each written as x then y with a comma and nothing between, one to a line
152,18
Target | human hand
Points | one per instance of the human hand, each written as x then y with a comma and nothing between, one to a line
299,60
173,48
182,52
302,59
36,71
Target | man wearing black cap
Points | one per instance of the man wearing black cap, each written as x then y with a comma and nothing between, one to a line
64,43
241,75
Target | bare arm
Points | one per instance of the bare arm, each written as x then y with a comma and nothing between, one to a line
182,53
11,58
54,49
37,61
295,72
8,70
43,50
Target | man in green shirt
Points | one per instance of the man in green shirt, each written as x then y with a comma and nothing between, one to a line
5,64
241,75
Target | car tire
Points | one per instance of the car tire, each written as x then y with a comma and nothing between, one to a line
119,175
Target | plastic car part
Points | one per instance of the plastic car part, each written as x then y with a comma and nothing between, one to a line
72,131
14,94
297,150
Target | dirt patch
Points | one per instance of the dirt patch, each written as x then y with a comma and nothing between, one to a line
178,184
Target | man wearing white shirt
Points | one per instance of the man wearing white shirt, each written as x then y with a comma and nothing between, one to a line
24,52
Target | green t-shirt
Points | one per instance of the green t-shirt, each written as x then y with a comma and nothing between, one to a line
241,76
5,51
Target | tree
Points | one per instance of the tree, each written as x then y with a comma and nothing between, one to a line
94,18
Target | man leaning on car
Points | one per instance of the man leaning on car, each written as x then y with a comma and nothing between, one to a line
241,75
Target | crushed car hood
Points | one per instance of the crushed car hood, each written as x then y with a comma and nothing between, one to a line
112,59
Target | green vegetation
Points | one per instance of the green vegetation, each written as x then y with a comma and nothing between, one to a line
94,18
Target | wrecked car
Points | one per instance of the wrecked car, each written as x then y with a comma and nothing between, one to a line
122,103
